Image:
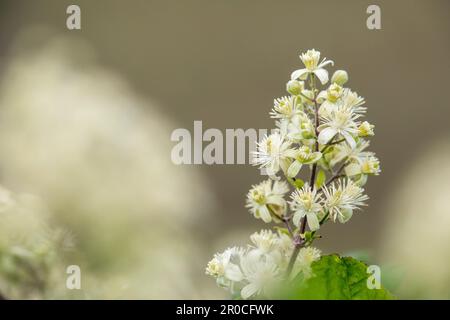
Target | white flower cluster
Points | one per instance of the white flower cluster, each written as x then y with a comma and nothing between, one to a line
258,270
317,129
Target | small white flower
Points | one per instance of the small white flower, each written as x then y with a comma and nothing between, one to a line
267,193
311,61
365,129
261,274
329,98
342,198
306,202
285,245
302,156
273,153
300,128
342,121
332,94
344,151
225,266
285,108
353,101
305,258
368,164
215,267
265,241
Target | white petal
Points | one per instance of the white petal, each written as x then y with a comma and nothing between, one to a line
345,215
290,153
322,96
280,187
274,166
284,164
283,126
315,157
325,62
361,181
294,168
326,108
296,219
276,199
298,73
249,290
326,135
348,137
352,169
322,74
264,214
297,136
233,273
313,222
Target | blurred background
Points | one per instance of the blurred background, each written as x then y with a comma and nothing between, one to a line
86,117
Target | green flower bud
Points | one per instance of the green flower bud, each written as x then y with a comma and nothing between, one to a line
294,87
339,77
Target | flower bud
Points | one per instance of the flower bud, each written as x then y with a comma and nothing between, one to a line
307,130
339,77
365,129
294,87
371,165
309,94
334,92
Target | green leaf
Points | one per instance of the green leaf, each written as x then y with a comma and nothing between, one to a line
337,278
321,177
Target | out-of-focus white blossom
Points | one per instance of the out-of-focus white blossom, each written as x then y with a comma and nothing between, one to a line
33,252
93,150
305,258
258,270
416,229
265,241
261,274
